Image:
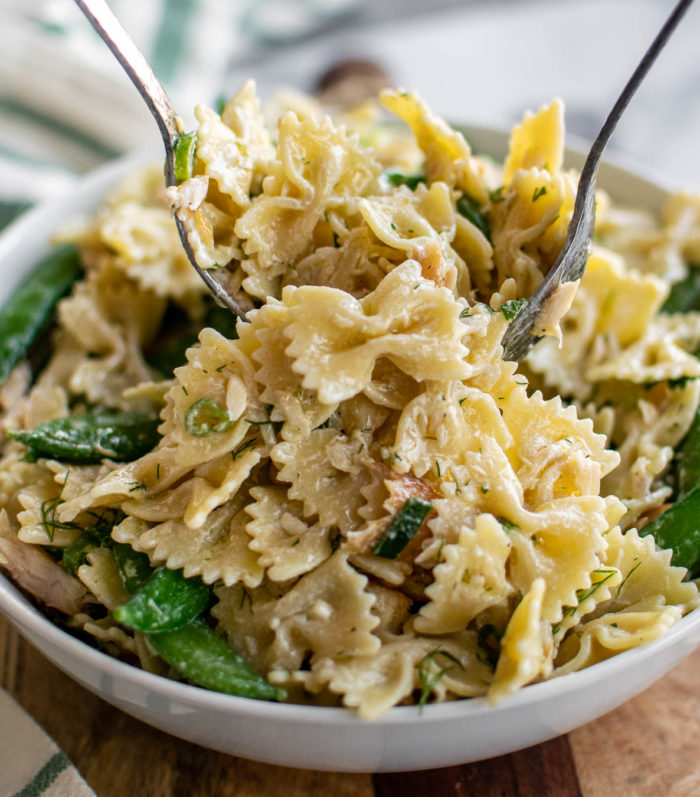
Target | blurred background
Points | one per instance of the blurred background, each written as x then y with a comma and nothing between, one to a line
66,107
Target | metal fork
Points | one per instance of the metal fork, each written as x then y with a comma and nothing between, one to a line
136,67
571,263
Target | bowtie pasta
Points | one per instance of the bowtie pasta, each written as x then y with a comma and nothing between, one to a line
352,491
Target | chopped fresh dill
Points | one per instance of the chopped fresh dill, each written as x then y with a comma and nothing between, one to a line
48,509
428,674
243,447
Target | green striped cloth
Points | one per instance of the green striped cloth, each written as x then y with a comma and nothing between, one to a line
65,104
30,763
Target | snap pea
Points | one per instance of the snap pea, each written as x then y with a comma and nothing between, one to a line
469,208
88,438
204,657
75,553
685,294
170,352
688,461
134,567
678,528
165,602
33,302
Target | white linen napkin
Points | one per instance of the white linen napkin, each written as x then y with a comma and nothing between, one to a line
31,765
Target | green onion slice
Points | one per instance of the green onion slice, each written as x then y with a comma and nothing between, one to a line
185,147
205,417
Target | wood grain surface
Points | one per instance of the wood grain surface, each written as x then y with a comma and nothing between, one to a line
648,747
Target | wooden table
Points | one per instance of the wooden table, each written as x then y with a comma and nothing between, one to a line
649,746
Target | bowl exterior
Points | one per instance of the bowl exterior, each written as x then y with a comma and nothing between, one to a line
334,739
323,738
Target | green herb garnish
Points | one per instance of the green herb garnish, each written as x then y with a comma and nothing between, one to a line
489,640
206,417
429,677
512,308
412,181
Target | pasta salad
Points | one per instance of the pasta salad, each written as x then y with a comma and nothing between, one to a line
351,497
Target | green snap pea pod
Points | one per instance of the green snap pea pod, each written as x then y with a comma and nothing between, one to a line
171,353
165,602
75,553
471,211
33,302
87,438
688,461
678,528
134,567
204,657
685,294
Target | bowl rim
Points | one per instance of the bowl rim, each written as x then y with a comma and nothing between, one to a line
24,615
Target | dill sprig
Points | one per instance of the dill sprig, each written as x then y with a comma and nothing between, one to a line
429,677
626,579
582,595
48,509
243,447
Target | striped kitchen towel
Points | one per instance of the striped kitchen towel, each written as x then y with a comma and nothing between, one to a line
65,104
30,763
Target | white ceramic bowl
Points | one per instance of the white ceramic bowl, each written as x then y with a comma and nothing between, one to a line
332,738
